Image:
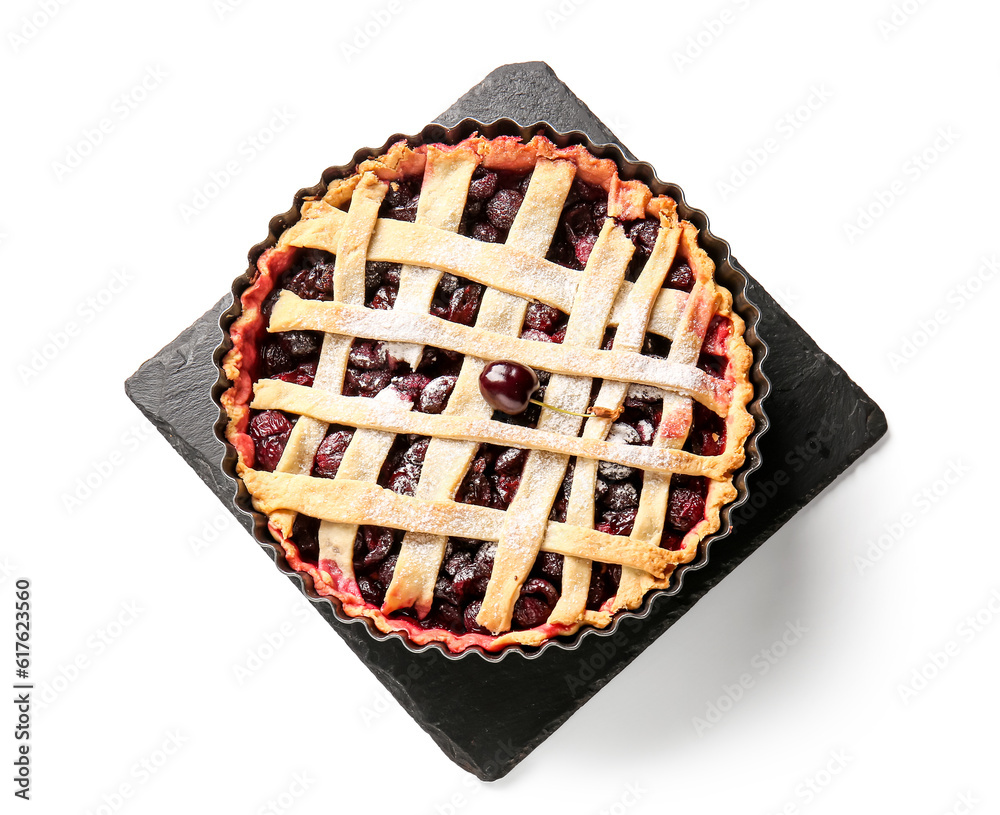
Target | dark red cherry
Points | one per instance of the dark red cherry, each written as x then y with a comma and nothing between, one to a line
502,208
508,386
484,184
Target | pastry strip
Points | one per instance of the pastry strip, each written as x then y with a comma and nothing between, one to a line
348,502
394,417
512,269
291,313
442,202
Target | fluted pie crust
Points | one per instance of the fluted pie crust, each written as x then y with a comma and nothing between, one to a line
346,223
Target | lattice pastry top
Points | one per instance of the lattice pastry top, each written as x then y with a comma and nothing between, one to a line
362,434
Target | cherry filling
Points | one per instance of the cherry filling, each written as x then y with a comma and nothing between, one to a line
270,430
494,475
581,221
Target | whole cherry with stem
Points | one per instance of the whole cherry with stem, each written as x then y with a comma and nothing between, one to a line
508,386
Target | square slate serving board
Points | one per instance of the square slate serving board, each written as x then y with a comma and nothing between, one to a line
451,699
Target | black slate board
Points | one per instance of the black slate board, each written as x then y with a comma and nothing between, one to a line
821,422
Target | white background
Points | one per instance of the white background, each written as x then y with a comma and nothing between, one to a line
144,611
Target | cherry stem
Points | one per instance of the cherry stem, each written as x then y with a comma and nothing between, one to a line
598,412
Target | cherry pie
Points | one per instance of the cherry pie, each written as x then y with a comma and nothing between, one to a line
363,434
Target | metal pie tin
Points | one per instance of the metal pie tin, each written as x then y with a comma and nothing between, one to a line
728,273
